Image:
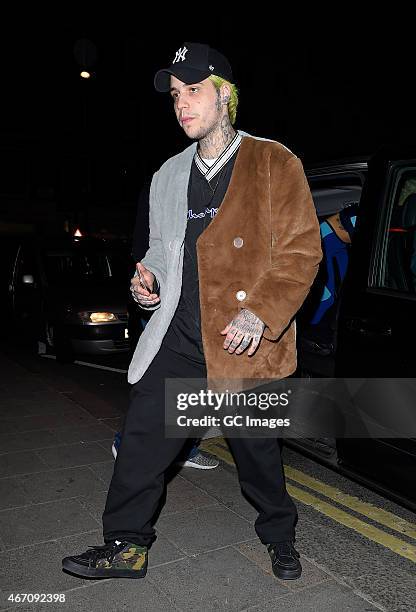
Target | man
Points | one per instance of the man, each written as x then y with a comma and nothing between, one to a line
318,330
191,456
336,234
234,247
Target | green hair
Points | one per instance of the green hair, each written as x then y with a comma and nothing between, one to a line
233,103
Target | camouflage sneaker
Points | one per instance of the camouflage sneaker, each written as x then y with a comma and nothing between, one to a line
118,559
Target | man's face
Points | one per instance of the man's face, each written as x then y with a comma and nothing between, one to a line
197,107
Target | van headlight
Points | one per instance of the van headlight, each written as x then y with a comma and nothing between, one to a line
97,317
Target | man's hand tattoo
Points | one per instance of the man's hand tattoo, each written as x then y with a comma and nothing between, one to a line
244,329
141,295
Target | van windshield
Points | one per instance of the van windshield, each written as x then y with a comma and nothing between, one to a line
74,267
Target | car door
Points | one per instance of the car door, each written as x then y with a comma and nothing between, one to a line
26,291
9,246
377,323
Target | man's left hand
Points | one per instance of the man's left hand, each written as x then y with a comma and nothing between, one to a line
244,329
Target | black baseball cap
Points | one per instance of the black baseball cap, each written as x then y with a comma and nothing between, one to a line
194,62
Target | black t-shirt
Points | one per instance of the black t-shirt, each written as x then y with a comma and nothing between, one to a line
204,199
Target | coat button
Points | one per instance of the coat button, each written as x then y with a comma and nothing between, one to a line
238,242
241,295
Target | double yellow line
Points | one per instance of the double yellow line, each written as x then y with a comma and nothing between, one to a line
218,447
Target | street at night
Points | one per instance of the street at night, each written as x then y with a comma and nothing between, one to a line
196,188
58,422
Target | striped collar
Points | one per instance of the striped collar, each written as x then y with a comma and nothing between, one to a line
209,172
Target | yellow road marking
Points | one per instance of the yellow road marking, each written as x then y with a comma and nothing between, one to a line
388,519
214,446
219,448
375,534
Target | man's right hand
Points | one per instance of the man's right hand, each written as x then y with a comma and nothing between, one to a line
141,295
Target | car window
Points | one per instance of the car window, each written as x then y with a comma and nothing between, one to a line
400,263
333,193
75,267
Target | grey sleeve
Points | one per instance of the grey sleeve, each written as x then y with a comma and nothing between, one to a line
155,260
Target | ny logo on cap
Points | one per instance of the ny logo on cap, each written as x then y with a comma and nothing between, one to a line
180,55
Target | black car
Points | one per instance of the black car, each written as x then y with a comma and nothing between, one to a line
375,325
69,295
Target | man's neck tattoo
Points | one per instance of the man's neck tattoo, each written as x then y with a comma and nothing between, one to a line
214,143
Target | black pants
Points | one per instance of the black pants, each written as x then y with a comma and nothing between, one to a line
145,454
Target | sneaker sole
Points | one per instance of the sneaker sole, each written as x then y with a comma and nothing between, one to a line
285,574
196,466
92,572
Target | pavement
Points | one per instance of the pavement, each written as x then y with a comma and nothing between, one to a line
55,468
